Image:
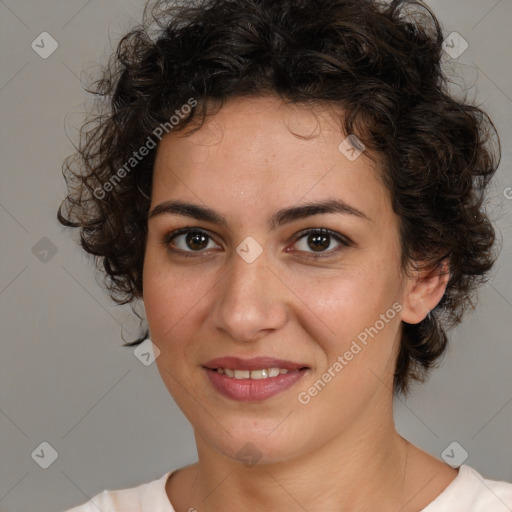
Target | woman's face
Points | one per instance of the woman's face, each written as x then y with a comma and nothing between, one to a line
256,286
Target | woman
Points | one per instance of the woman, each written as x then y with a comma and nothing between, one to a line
298,202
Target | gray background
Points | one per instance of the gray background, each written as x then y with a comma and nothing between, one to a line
65,379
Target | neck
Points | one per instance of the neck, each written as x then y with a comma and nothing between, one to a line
362,469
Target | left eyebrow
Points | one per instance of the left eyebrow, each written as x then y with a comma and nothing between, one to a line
281,217
287,215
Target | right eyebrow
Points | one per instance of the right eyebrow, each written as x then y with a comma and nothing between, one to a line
188,210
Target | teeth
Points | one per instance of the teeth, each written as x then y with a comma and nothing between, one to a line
259,374
264,373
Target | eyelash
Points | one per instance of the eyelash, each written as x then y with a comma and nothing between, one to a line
344,241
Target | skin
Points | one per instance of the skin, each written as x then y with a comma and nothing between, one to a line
289,305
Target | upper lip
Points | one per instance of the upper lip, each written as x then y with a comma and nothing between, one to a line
256,363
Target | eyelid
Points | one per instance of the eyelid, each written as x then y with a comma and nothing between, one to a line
168,237
343,240
326,231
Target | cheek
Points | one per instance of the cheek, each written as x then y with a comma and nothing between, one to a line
349,299
175,301
354,318
166,298
361,322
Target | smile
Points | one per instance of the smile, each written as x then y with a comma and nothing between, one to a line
264,373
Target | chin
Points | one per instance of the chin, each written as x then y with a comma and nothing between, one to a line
254,446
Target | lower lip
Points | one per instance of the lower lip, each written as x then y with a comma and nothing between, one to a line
252,390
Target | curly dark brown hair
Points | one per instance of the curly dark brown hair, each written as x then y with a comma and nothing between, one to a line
381,63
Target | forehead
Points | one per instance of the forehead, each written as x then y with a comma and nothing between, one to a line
264,151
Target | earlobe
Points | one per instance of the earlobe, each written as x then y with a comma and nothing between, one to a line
423,292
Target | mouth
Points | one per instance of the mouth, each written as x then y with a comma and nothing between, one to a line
260,374
254,379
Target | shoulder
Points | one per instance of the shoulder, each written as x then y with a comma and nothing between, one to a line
149,496
471,492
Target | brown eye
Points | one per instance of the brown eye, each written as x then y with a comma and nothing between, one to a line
196,240
319,240
187,241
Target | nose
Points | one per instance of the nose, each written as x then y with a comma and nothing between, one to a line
250,300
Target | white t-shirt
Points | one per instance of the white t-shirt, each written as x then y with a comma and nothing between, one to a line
469,492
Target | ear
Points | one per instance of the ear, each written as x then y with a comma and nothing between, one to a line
423,292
